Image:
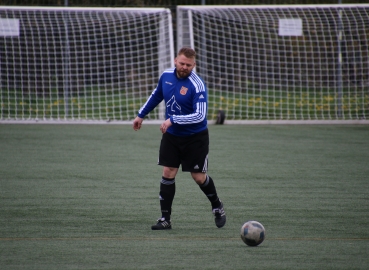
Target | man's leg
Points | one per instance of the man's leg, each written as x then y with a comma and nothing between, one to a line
207,186
166,196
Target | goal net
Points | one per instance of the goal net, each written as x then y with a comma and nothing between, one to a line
281,62
81,63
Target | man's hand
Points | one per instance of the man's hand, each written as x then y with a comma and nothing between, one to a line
137,123
165,125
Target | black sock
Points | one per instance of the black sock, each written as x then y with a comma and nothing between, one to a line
167,191
210,191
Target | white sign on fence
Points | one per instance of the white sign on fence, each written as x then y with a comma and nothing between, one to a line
290,27
9,27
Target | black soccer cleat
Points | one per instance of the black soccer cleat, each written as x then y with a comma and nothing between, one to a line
220,216
162,225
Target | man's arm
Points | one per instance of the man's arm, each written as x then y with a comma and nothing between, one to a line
155,98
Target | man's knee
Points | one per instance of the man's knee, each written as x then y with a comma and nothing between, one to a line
199,177
169,172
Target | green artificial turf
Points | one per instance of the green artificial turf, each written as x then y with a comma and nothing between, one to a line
85,197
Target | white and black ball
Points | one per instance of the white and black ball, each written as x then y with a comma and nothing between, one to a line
252,233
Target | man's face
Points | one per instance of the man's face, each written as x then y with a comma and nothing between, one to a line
184,65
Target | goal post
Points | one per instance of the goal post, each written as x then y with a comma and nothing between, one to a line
81,64
282,62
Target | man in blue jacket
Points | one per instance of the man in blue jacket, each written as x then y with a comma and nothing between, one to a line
185,139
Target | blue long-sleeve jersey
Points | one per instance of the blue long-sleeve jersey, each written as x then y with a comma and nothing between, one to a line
185,101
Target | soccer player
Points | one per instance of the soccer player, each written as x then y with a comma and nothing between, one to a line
185,139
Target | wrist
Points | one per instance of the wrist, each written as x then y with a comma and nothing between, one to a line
171,120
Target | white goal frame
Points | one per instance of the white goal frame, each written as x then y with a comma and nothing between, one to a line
110,60
114,92
207,29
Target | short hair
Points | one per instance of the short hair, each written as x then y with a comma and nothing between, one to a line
188,52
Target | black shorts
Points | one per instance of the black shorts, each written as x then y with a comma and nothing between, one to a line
191,152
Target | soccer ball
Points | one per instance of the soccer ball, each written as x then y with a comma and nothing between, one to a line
252,233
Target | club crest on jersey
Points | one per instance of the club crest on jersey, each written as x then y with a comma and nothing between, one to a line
183,90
